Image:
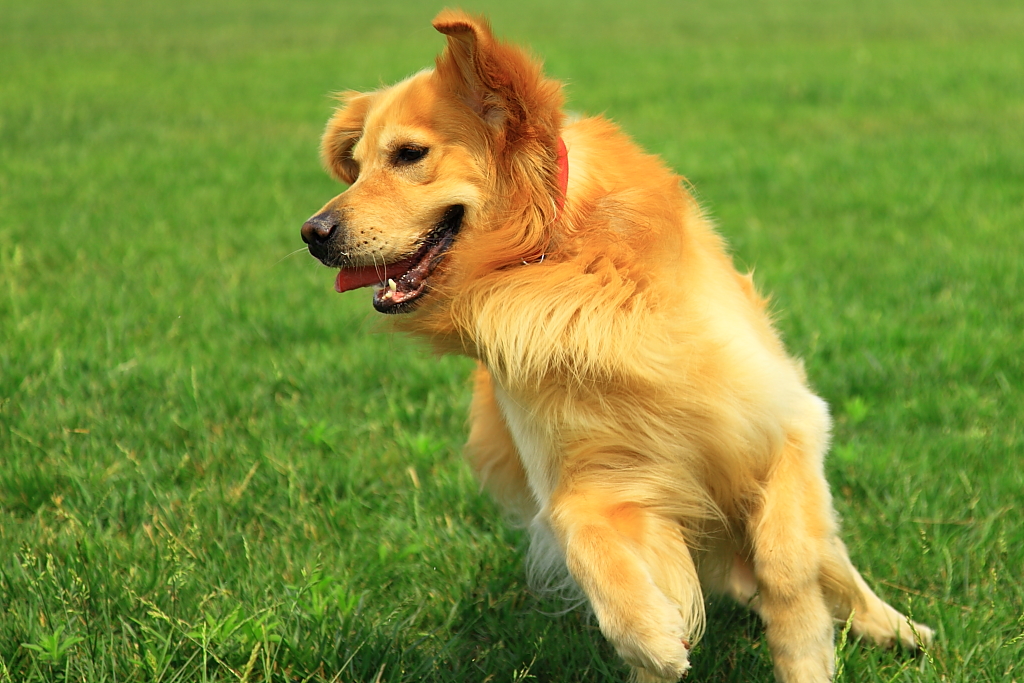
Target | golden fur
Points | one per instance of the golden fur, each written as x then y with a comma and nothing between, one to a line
633,401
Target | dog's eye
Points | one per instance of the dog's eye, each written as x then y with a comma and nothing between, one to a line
409,154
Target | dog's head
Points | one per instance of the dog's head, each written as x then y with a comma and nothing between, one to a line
451,171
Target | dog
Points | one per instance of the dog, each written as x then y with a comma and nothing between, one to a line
632,402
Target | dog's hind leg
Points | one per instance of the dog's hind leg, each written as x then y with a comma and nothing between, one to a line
637,572
873,619
790,534
492,453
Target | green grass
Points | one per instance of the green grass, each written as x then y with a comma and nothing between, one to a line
213,468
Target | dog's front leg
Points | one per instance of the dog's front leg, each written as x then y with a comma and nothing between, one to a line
492,453
638,575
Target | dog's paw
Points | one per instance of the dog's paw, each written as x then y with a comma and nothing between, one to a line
642,675
655,658
658,668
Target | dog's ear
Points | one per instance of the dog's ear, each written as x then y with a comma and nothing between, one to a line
342,133
500,82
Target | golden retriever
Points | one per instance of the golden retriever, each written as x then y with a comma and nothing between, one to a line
633,402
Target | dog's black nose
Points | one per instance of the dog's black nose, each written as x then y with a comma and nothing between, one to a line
320,227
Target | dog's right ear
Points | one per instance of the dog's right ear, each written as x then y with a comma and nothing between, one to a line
342,133
500,82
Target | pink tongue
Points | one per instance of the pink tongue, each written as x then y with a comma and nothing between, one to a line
354,278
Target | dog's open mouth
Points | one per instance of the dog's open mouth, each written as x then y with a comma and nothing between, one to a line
397,286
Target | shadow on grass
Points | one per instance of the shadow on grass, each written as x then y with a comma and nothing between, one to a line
503,632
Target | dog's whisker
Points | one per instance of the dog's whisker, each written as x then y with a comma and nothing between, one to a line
289,255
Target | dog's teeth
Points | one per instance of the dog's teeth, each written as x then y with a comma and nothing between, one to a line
386,291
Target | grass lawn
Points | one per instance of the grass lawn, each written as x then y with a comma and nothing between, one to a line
213,468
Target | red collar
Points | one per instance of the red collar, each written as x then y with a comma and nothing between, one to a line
563,173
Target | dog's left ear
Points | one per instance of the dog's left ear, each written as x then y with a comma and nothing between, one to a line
500,82
342,133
